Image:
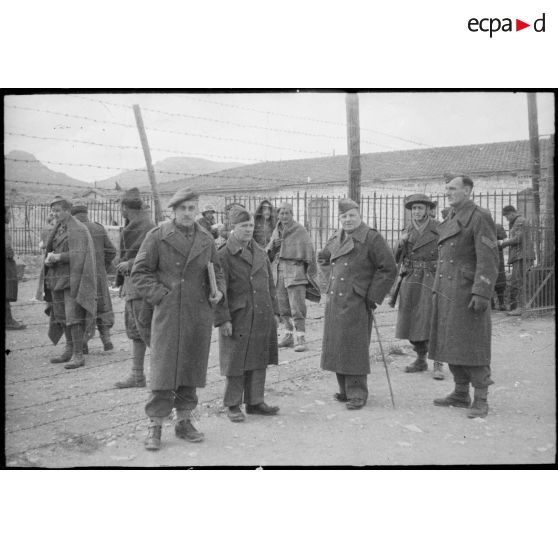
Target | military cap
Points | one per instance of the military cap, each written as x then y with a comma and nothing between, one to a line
184,194
346,204
64,202
132,199
508,209
418,198
208,207
239,215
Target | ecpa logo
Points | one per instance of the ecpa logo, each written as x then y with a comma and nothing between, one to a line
492,25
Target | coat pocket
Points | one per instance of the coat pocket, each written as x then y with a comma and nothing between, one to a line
360,291
237,305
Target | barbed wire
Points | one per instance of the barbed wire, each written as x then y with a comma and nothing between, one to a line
161,130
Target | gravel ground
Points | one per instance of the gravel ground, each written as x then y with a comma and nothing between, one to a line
60,418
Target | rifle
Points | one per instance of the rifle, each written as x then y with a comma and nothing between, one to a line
402,273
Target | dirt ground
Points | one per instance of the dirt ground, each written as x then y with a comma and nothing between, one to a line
61,418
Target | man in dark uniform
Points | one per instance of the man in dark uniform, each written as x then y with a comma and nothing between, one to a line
362,272
105,252
207,221
11,276
246,320
520,257
171,273
70,284
465,276
137,311
417,252
500,288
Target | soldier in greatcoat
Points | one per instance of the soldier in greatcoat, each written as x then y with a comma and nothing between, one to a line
417,253
70,284
171,273
105,253
466,272
137,311
246,320
362,272
521,256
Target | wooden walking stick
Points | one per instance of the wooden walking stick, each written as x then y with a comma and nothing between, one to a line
383,357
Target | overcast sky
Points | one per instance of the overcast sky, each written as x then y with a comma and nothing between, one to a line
249,128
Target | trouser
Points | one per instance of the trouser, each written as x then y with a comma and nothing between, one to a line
66,311
248,387
420,347
354,387
161,402
516,285
477,376
9,317
292,304
137,319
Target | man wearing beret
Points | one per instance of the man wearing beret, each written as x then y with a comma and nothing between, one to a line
292,255
105,252
137,311
362,272
70,284
466,272
246,320
171,273
417,252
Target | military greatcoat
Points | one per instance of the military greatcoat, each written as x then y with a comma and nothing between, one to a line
175,281
250,306
418,258
467,265
362,272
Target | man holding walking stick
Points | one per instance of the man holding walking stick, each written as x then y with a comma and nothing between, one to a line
362,272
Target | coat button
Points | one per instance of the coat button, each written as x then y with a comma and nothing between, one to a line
332,263
340,294
346,263
441,261
441,275
331,292
182,280
177,263
342,279
451,261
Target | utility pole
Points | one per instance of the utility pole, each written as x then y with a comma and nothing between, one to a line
535,151
353,145
149,164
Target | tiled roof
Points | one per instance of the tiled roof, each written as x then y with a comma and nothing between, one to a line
430,163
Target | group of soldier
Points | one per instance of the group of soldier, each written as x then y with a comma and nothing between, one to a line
252,277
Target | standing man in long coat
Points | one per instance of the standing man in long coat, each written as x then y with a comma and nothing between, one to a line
246,320
137,311
292,255
105,252
520,257
362,272
417,252
70,284
466,273
171,273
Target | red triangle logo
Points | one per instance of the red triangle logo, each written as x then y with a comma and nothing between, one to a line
519,25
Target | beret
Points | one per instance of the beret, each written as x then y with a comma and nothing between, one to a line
184,194
346,204
61,200
132,198
208,207
418,198
239,215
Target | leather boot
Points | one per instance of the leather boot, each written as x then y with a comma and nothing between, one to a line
104,332
153,440
438,371
479,409
185,429
286,340
11,323
420,364
459,397
300,342
135,380
78,359
66,356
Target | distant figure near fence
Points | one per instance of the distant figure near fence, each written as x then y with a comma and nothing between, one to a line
11,276
265,220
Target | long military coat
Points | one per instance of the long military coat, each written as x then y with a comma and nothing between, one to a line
415,296
105,252
520,243
467,265
176,283
362,272
11,268
251,306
